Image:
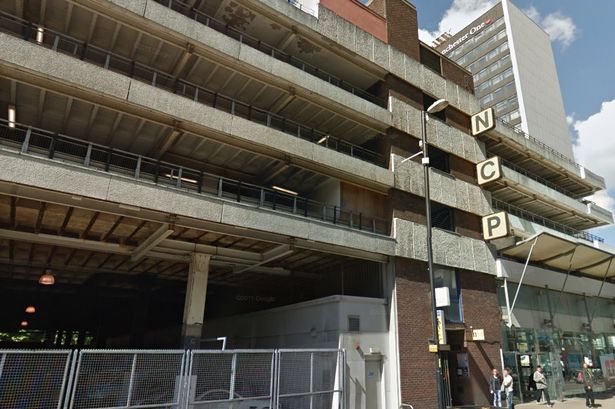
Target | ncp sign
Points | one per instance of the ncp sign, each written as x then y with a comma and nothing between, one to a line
489,170
483,121
496,226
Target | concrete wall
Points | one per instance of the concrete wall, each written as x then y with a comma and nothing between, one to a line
508,136
359,14
384,56
449,249
329,193
540,98
444,188
593,213
168,24
86,182
407,118
121,92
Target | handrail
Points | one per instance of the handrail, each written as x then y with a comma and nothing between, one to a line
84,51
527,215
59,147
254,42
537,178
543,145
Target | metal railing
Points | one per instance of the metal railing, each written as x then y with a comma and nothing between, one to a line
26,139
544,146
178,379
534,218
254,42
537,178
105,59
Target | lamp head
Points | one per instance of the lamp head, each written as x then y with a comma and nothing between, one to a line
437,106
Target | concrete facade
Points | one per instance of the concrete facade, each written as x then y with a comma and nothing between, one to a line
272,202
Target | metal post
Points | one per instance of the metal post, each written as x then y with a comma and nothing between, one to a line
178,182
67,378
2,361
311,380
138,167
132,379
26,141
434,317
508,312
272,379
233,370
88,156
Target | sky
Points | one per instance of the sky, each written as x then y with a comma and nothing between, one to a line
583,43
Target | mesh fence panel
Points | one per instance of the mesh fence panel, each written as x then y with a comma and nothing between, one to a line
33,379
218,379
107,379
310,379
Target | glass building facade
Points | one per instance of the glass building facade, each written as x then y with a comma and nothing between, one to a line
565,331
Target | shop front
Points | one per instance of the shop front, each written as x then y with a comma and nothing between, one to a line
556,347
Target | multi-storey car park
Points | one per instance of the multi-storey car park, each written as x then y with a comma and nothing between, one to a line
230,174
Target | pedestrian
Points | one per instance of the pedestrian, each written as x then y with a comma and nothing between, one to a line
542,385
495,388
588,385
507,387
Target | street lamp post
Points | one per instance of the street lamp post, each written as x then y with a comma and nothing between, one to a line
436,107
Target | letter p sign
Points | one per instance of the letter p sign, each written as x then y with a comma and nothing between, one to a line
495,226
483,122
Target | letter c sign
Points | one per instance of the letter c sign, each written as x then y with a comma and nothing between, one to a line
489,170
495,226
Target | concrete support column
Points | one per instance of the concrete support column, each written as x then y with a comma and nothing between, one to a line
194,306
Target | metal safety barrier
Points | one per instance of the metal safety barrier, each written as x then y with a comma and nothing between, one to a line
66,44
34,379
173,379
310,379
128,379
62,148
231,379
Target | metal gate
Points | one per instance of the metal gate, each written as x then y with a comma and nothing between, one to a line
310,379
34,379
173,379
105,379
231,379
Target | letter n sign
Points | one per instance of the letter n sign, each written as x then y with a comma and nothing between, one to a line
495,226
483,121
489,170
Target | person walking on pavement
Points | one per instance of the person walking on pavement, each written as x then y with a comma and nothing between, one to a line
507,387
542,385
588,385
495,388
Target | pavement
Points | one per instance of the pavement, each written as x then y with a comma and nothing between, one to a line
603,400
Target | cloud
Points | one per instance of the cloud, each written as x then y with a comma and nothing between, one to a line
457,16
594,149
560,27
